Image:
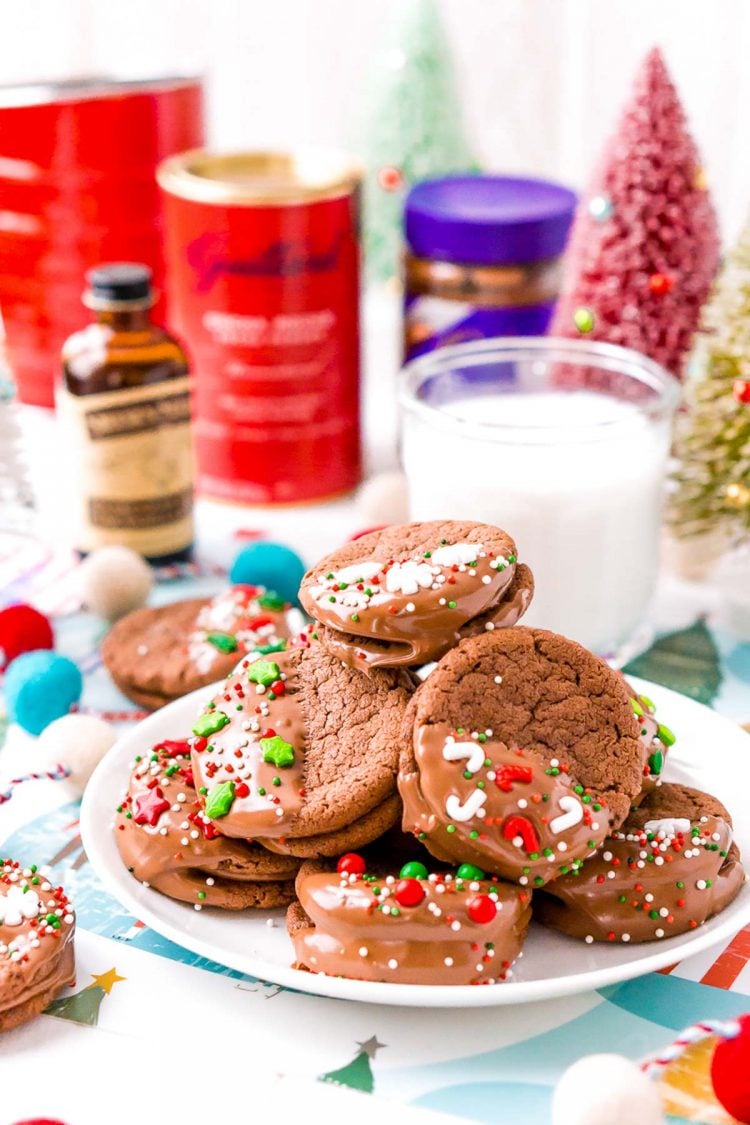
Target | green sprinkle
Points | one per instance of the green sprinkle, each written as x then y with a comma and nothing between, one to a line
203,790
468,775
277,752
427,555
470,872
265,649
355,617
666,735
681,885
480,785
451,828
548,852
329,577
451,605
538,881
473,835
413,870
225,642
277,781
201,895
210,724
331,598
653,913
219,800
263,672
421,835
271,600
622,898
481,738
261,791
533,855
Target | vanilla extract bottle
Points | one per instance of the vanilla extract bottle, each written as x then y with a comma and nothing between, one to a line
124,415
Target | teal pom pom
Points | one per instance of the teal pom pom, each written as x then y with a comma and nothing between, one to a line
40,687
272,565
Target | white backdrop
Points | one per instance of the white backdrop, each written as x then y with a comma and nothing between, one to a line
542,79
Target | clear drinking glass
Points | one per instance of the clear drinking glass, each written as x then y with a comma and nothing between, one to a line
564,444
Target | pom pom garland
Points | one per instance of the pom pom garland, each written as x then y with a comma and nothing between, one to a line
80,742
22,629
605,1090
272,565
114,581
41,687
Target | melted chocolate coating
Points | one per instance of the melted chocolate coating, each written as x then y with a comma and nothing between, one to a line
358,930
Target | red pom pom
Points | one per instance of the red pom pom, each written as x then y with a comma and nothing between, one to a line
22,629
481,909
730,1067
351,864
409,892
741,391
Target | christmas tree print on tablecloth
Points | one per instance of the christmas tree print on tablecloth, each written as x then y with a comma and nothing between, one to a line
686,661
83,1007
644,247
713,436
358,1073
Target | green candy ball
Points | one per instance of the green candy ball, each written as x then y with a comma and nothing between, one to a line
413,870
469,871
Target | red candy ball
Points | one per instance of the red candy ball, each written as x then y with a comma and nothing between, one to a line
660,284
409,892
729,1070
481,909
22,629
351,864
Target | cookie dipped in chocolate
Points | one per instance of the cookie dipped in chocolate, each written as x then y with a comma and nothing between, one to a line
167,842
521,754
666,871
296,745
405,595
445,928
37,925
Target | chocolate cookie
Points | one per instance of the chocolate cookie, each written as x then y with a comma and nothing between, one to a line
155,655
669,868
37,924
412,927
363,831
167,843
297,745
521,754
405,595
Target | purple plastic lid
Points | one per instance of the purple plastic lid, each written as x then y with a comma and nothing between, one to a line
488,220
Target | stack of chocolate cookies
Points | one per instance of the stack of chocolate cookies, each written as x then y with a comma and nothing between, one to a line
415,814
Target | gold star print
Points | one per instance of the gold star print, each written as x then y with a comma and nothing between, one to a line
107,980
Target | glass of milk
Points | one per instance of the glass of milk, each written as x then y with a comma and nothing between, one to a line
564,444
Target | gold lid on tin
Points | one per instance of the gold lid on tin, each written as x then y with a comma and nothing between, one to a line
259,178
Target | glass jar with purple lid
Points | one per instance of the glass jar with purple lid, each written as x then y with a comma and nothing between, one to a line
483,258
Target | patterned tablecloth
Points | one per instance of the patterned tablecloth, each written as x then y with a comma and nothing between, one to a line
151,1032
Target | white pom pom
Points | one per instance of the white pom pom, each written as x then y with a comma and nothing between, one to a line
114,581
606,1090
382,499
78,742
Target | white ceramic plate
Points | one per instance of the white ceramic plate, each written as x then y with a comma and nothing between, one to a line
712,753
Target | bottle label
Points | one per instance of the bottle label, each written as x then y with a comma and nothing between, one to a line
129,457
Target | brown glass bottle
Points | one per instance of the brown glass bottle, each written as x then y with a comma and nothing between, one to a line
124,414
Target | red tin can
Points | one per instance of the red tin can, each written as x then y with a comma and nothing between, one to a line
263,268
78,187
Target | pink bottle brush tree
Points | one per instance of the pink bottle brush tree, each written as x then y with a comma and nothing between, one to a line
644,247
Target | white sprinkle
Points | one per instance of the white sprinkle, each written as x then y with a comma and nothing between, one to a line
210,881
448,961
363,951
270,922
664,912
393,963
410,607
589,939
625,937
523,880
660,933
142,650
184,841
490,626
701,884
498,679
162,831
194,834
456,925
607,856
197,906
562,846
486,579
523,803
649,898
